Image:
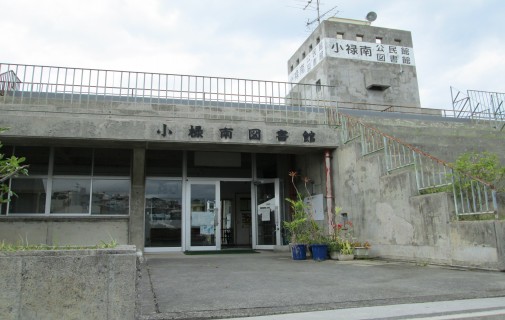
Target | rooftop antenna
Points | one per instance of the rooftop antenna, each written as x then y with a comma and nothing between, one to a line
371,16
319,16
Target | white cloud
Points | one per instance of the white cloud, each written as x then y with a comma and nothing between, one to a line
455,44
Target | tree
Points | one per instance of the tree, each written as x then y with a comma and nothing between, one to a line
9,167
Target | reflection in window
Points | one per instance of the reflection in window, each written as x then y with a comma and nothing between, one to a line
30,195
70,196
110,196
163,213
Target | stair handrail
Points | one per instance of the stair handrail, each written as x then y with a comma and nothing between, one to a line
462,204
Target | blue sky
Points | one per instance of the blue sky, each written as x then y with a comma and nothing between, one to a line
456,43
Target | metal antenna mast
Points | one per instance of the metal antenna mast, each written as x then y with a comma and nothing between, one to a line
319,16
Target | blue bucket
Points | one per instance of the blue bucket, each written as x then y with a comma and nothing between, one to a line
319,252
299,251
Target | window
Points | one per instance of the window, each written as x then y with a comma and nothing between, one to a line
72,161
340,35
291,68
110,196
163,163
163,213
310,48
359,37
30,196
78,181
378,40
70,195
219,164
398,42
36,157
303,55
318,85
318,40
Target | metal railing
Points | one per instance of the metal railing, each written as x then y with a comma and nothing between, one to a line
210,97
480,105
471,195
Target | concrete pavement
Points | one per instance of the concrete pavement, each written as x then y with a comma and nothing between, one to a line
176,286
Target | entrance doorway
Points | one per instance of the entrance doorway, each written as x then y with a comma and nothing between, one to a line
267,221
218,215
212,214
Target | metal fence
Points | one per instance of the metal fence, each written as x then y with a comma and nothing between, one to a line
479,105
215,98
471,195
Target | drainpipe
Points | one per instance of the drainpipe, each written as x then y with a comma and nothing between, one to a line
329,191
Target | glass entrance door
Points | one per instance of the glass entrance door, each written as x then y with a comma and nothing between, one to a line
203,225
266,220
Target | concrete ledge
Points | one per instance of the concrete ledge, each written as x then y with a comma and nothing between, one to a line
68,284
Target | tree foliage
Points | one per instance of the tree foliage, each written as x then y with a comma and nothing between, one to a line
484,165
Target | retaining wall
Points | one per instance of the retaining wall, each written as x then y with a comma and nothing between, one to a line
68,284
387,211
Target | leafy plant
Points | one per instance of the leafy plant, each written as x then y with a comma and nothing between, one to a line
346,247
302,227
9,167
485,166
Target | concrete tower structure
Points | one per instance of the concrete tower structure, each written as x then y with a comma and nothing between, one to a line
371,67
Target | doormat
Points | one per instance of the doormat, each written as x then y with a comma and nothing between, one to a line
227,251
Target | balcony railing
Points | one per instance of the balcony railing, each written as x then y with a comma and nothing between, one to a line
204,97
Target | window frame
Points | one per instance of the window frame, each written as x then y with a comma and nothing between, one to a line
50,176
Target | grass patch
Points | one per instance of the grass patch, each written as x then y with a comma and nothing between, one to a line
481,217
8,247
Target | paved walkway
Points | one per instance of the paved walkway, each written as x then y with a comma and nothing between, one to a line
175,286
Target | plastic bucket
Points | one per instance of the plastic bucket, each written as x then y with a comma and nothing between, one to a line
319,252
299,251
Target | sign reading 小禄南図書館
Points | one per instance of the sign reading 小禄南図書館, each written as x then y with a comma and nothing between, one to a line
356,50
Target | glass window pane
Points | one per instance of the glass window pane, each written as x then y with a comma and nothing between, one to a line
163,213
266,221
36,157
112,162
219,164
6,151
203,202
72,161
70,196
31,195
110,196
163,163
266,165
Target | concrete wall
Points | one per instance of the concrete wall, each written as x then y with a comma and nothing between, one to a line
81,231
440,137
400,224
352,77
68,284
138,124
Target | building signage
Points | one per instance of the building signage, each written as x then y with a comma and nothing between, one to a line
356,50
226,133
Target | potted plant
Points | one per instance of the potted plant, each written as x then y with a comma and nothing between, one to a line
361,249
346,251
318,242
334,248
297,228
299,225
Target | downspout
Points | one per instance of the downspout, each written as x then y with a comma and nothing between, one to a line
329,190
